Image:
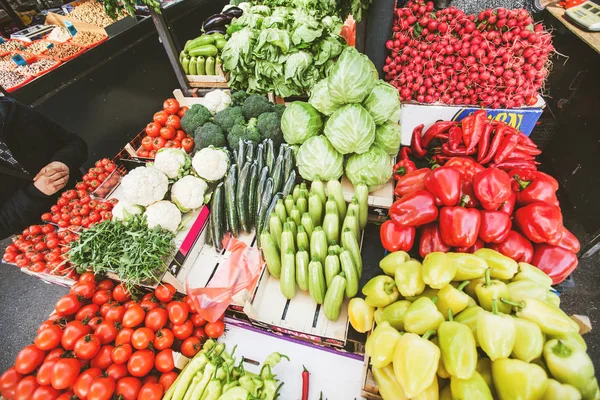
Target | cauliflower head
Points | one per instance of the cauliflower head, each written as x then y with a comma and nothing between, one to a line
216,101
124,211
172,162
144,186
164,214
211,163
188,193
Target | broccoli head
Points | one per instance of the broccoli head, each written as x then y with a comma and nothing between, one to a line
195,117
238,97
254,105
269,127
239,132
209,135
229,117
279,109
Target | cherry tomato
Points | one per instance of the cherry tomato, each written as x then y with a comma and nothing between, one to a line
153,129
68,395
121,294
38,266
152,153
84,380
45,393
163,339
88,277
167,379
197,320
87,347
183,331
106,284
171,106
124,336
74,331
167,132
214,329
65,373
29,359
89,311
83,289
182,111
134,316
106,332
54,354
140,363
103,359
174,122
165,292
44,373
102,297
94,322
191,346
117,371
101,388
178,312
26,387
49,338
142,337
156,319
35,230
10,379
151,391
150,379
187,144
128,388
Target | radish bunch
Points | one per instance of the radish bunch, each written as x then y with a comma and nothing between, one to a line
498,58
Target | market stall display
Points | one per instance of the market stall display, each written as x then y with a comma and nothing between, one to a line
93,13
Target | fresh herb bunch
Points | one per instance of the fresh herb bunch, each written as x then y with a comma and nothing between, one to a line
130,249
113,7
322,8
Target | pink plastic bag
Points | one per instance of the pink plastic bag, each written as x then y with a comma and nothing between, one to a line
240,271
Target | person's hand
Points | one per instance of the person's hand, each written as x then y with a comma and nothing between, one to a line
52,178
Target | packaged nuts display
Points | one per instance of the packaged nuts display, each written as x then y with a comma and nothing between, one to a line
93,13
38,66
63,51
86,38
7,63
37,47
10,79
11,45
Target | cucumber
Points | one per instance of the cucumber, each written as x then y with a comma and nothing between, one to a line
288,162
293,226
208,238
265,200
185,64
302,239
217,217
332,306
241,156
230,201
270,155
318,244
349,270
270,254
193,70
295,215
210,65
296,193
282,148
287,240
361,191
331,226
350,243
289,204
200,66
289,183
316,281
315,209
276,228
260,156
318,188
252,193
207,50
351,222
262,180
249,150
269,211
302,260
199,41
332,267
334,189
220,43
287,281
280,211
242,197
306,222
277,174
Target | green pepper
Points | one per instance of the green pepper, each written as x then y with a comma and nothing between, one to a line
209,370
389,388
422,316
428,292
468,317
528,272
570,364
503,267
518,380
470,288
360,315
236,393
552,299
247,383
457,344
468,266
551,320
518,290
442,372
415,363
394,314
430,393
270,389
380,291
474,387
274,358
381,344
453,299
490,290
389,263
496,333
213,389
409,279
529,342
484,368
557,391
572,339
438,270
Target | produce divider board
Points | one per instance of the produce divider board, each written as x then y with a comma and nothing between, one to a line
49,278
218,81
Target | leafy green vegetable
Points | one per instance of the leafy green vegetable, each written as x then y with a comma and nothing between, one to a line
320,99
299,122
382,102
388,137
350,129
352,77
322,8
372,168
317,159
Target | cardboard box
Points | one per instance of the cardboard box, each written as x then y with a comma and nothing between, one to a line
49,278
413,115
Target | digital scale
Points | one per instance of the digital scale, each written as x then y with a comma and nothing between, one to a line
586,15
32,33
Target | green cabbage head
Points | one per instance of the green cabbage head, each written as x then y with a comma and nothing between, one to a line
373,168
350,129
383,102
317,159
388,137
321,100
352,77
300,121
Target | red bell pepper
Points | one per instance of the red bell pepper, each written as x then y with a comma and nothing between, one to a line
479,123
403,167
569,241
555,261
492,188
533,186
459,226
515,246
414,209
431,240
396,238
479,244
434,130
466,189
445,185
540,222
495,226
467,167
509,205
417,148
411,182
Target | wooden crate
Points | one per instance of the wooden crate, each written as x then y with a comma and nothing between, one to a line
219,81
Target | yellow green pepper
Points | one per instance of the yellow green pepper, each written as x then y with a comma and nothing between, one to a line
551,320
437,270
528,272
571,339
468,317
409,279
453,299
557,391
490,290
529,342
457,345
422,316
360,315
431,393
428,292
471,388
518,290
415,363
503,267
381,344
389,263
484,368
470,288
553,299
468,266
496,333
394,314
380,291
389,388
570,364
518,380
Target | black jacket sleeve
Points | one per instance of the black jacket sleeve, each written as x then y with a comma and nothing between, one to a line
21,209
74,150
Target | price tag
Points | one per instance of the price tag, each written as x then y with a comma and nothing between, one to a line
19,60
72,30
2,40
50,45
22,48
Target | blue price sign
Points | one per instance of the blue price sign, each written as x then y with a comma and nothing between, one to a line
19,60
2,40
72,30
50,45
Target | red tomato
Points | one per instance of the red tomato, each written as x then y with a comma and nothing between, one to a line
165,292
115,313
46,217
72,333
45,393
149,303
117,371
151,391
94,322
167,132
121,353
171,106
83,382
66,396
103,359
35,230
153,129
147,143
89,311
140,363
158,143
152,153
199,333
106,332
191,346
10,379
178,312
87,347
9,257
40,246
142,337
156,319
163,339
128,388
101,388
167,379
182,111
124,336
150,379
29,359
44,373
65,373
54,354
143,153
170,144
197,320
180,135
187,144
121,294
214,329
49,338
26,387
83,289
174,122
160,117
134,316
102,297
38,266
106,284
183,331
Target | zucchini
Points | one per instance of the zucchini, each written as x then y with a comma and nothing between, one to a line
303,190
318,244
331,205
316,281
249,150
270,156
265,200
288,162
302,239
280,211
289,204
335,248
270,253
269,211
295,215
349,270
302,260
200,66
287,281
181,55
220,43
289,183
199,41
252,195
351,222
353,205
210,65
208,50
277,174
315,209
350,243
331,226
287,240
293,226
296,193
217,36
242,197
306,222
332,306
217,218
332,267
260,156
276,228
334,189
241,156
192,66
262,180
318,188
361,191
185,64
302,205
230,201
